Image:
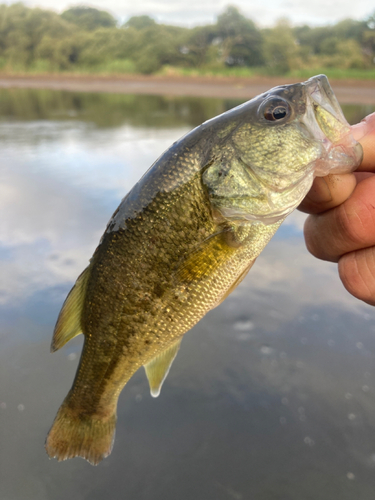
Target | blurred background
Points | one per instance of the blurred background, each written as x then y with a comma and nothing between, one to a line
190,38
272,394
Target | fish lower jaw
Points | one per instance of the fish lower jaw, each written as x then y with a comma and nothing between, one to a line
341,157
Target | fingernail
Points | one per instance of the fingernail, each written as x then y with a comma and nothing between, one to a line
359,130
320,192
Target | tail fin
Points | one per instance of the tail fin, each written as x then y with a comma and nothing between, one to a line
75,435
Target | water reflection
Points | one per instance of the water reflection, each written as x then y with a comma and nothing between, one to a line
109,110
272,395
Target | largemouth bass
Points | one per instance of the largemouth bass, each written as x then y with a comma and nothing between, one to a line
182,239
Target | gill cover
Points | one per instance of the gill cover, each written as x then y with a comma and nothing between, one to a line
268,162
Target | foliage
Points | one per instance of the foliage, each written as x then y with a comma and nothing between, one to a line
241,39
85,39
140,22
280,48
88,18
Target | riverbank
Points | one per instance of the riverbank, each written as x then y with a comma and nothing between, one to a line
347,91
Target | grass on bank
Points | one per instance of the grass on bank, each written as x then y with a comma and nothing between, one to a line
242,72
125,67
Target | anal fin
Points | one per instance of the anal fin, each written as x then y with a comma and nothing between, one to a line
158,368
68,323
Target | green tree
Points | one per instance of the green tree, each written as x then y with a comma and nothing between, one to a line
311,39
160,45
350,29
107,45
140,22
328,46
232,23
89,39
240,39
198,46
22,30
347,54
369,39
281,52
88,18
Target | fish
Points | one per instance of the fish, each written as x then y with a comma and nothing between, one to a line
182,240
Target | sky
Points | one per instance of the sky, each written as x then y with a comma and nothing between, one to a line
197,12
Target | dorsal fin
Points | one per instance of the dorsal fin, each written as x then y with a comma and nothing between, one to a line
68,323
158,368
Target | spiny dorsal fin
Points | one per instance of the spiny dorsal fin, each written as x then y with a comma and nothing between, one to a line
158,368
68,323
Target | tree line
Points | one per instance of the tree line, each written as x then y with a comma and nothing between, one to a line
88,39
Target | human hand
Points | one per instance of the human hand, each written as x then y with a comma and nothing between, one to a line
342,225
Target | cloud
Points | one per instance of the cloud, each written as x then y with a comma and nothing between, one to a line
188,13
59,185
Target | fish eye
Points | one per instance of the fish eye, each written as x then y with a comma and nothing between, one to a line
275,109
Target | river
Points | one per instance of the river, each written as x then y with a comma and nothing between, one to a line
272,395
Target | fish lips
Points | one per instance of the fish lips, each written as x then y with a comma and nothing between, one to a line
325,119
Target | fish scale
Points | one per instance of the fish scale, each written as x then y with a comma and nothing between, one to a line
181,241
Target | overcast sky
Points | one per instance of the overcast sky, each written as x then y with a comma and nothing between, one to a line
193,12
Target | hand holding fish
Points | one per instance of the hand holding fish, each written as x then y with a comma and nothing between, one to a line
342,225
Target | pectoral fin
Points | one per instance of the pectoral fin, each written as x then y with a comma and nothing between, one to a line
158,368
68,323
207,258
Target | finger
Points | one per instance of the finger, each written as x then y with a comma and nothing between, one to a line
328,192
357,272
361,176
346,228
364,132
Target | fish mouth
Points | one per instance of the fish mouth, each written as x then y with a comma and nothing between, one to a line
324,117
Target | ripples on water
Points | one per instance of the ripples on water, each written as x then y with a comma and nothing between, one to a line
272,395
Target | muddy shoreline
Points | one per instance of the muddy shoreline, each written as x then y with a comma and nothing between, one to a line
347,91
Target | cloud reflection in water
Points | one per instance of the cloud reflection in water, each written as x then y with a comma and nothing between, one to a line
272,393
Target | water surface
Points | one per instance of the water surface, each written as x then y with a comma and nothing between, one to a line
272,395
